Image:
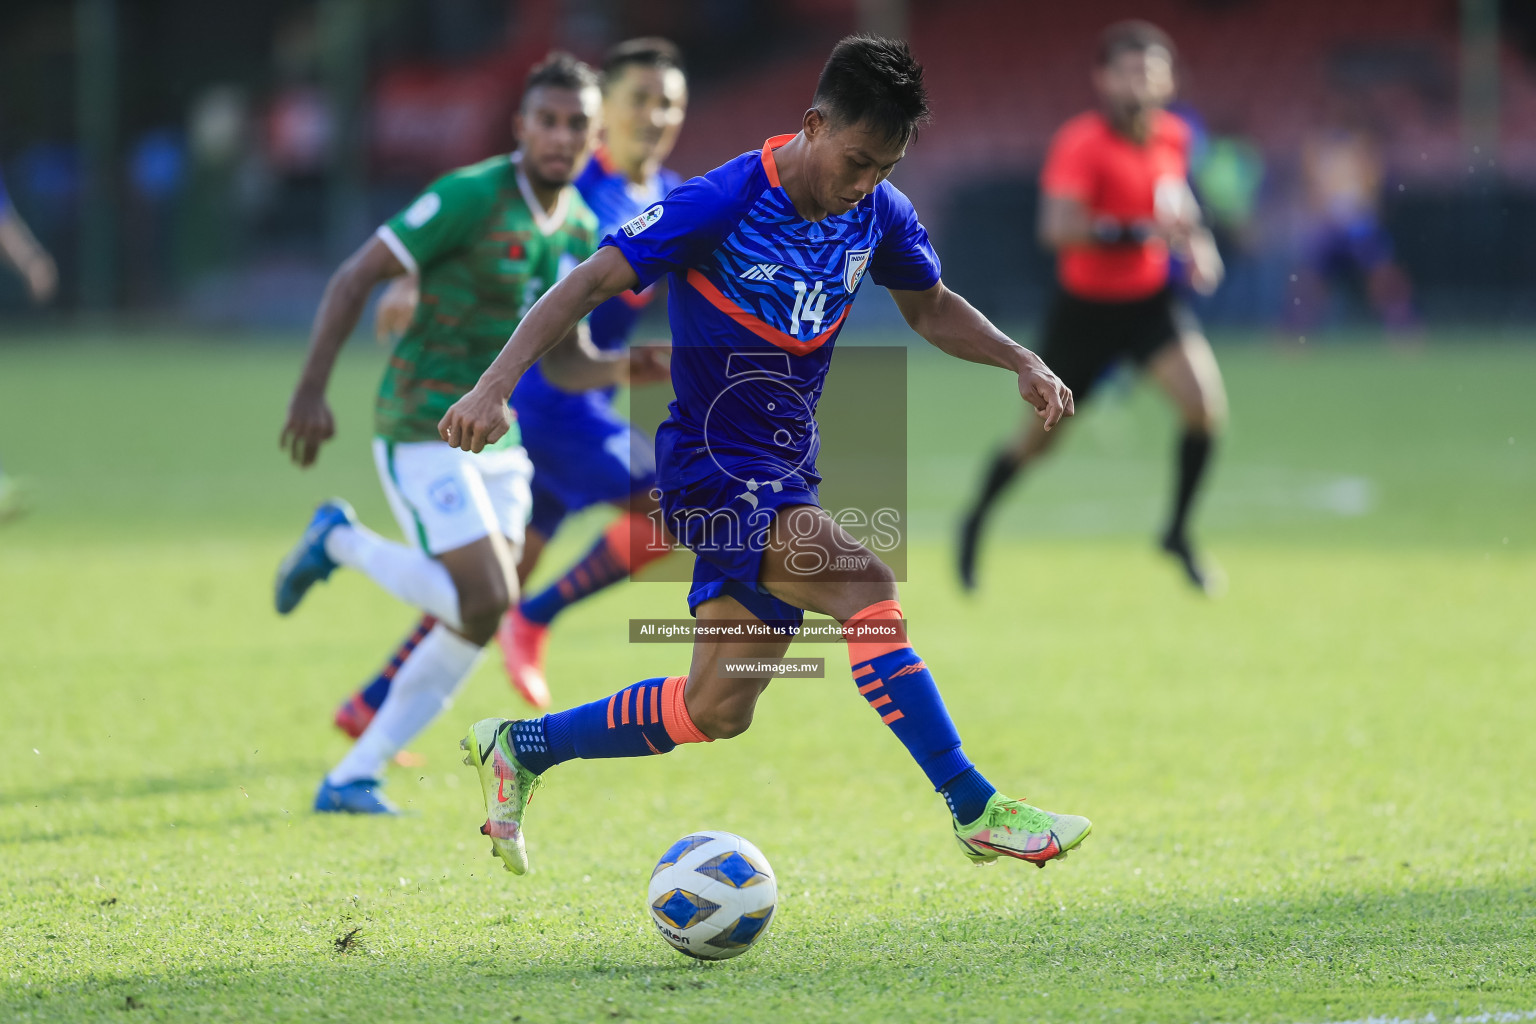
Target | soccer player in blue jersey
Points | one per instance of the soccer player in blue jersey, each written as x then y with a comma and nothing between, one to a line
583,451
764,256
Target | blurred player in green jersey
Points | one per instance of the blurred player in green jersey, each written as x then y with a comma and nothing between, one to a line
485,242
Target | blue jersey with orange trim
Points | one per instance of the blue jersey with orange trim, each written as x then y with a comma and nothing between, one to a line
757,297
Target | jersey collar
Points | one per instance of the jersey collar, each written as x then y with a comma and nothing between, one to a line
547,223
771,168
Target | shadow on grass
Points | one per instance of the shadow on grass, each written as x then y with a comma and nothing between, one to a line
118,785
1342,956
115,788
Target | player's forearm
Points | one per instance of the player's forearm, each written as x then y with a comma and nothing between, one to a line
952,325
17,242
551,320
340,309
577,365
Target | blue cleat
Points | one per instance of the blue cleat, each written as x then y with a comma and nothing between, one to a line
360,797
308,564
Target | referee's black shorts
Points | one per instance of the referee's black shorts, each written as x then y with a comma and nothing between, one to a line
1084,338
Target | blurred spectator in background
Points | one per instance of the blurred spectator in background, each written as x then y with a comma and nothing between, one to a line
1343,236
219,139
36,267
156,176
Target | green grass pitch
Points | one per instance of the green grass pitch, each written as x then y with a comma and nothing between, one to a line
1313,799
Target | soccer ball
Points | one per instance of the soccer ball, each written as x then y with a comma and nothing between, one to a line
712,895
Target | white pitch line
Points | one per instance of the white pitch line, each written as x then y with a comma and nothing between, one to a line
1501,1017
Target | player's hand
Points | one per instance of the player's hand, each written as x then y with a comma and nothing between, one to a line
650,363
1044,390
476,420
42,278
395,309
1205,265
309,425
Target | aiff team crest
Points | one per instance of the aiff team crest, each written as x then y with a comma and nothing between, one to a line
855,263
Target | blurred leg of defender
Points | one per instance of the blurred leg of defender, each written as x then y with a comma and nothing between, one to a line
465,514
584,453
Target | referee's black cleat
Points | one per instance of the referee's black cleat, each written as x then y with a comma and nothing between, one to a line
1208,578
970,537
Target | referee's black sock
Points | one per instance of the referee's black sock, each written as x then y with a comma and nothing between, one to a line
1000,473
1194,456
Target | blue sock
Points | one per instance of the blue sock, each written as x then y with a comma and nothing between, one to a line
896,683
646,718
967,795
600,567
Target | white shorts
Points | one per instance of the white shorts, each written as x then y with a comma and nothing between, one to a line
445,498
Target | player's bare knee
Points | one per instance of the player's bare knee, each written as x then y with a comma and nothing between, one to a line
1209,415
877,584
481,608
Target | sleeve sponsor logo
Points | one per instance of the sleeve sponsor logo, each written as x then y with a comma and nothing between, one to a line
643,221
422,210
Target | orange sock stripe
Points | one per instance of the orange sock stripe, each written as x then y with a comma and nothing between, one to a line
873,684
674,713
893,716
654,691
633,542
881,701
623,707
860,651
610,709
862,671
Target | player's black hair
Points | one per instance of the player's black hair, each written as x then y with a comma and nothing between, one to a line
560,70
1134,36
873,81
645,52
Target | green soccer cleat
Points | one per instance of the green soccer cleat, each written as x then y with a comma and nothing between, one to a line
1013,828
507,786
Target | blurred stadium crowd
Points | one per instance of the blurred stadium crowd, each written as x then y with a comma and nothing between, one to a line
209,162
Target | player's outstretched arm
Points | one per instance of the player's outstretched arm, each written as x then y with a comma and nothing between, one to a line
952,325
309,423
23,251
480,417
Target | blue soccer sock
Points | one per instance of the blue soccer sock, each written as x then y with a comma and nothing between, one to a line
626,546
896,683
649,717
967,795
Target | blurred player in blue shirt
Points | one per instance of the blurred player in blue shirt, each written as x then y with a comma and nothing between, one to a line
583,451
22,251
764,256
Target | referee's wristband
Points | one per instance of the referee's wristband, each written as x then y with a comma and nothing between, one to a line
1108,231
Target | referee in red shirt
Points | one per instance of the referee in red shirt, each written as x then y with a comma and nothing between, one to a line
1115,204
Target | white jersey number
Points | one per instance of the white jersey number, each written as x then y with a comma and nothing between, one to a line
811,306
